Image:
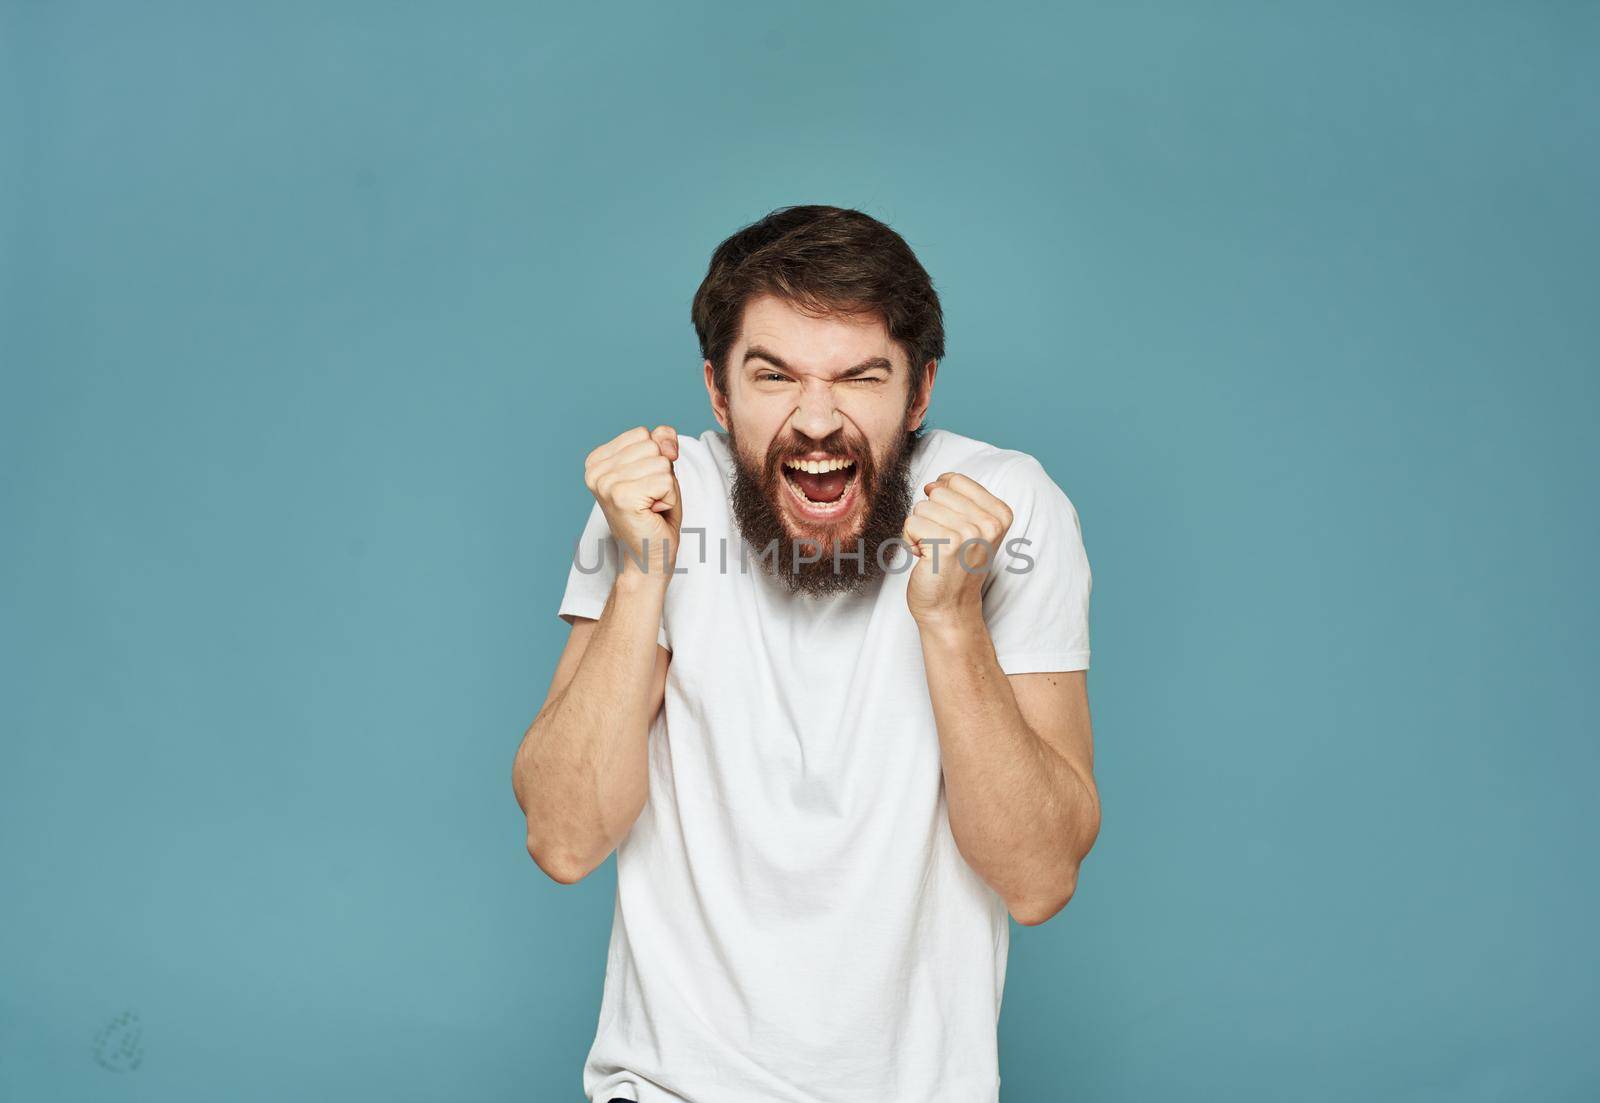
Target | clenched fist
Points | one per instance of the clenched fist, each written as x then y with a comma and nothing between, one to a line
631,477
954,535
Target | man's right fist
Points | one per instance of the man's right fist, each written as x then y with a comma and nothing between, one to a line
631,477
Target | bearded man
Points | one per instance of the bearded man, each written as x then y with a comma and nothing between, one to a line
824,693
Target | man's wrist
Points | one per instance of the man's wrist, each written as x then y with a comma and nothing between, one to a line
647,581
957,627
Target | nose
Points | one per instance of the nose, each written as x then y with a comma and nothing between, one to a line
816,416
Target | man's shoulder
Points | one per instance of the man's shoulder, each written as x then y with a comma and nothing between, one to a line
990,465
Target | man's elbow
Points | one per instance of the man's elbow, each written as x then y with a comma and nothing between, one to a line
559,867
1037,910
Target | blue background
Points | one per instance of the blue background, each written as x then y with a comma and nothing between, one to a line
310,316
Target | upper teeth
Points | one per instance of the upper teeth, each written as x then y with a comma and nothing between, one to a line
817,467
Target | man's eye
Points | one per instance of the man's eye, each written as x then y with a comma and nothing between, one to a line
867,379
770,375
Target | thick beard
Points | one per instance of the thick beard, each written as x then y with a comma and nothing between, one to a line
888,497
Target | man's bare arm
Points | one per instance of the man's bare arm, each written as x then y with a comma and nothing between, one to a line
1017,751
581,775
1018,764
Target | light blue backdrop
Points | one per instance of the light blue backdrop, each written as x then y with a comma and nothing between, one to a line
310,317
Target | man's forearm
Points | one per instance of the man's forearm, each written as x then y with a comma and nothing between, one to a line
582,770
1022,815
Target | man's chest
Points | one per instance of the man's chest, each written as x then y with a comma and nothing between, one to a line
771,681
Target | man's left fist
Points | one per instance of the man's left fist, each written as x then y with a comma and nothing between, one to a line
954,535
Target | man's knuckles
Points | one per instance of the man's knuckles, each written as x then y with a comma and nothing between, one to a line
627,461
993,523
648,479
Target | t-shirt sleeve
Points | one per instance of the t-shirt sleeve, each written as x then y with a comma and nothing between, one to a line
593,570
1036,598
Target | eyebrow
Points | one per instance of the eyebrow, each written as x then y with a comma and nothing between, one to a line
756,352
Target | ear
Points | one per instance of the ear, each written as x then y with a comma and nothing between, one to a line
919,408
719,401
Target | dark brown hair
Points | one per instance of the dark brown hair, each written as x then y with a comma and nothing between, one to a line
823,260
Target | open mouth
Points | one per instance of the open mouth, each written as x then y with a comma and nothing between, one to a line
821,488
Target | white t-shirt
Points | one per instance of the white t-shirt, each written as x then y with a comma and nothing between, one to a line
793,921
